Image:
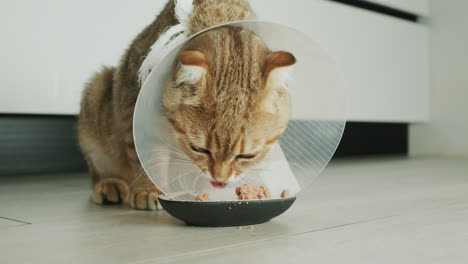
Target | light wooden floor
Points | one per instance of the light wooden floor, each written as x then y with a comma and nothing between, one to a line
359,211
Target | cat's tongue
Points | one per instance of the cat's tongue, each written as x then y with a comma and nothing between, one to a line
216,184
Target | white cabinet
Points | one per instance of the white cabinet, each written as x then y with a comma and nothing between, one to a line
51,47
383,60
419,7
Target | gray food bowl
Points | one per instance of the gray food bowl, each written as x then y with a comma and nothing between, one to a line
226,213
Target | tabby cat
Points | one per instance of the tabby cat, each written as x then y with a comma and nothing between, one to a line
226,101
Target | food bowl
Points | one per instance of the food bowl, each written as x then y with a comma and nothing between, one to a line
226,213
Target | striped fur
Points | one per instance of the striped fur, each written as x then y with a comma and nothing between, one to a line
241,109
238,109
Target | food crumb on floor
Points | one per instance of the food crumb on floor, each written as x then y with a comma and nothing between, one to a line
239,227
250,227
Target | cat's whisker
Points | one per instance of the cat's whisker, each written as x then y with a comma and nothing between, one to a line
181,176
158,155
163,147
178,159
170,145
243,180
169,155
258,170
169,151
262,168
196,179
170,162
141,172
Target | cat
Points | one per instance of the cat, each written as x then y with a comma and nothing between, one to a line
225,99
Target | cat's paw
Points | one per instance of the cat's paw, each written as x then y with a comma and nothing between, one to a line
110,191
145,198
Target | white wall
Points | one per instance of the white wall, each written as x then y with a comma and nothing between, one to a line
50,48
448,131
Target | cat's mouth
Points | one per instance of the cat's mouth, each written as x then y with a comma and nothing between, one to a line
219,185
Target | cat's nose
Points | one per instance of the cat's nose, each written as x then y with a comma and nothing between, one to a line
220,172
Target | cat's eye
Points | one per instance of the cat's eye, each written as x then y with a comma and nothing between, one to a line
245,156
201,150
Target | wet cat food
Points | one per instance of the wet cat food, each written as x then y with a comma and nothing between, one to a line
285,194
252,192
203,198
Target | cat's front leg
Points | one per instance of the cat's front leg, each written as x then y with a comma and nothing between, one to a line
110,191
145,198
143,192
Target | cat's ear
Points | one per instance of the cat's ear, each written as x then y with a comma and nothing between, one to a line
278,68
193,67
190,75
278,71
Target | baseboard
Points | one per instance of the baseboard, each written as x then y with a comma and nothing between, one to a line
381,9
364,139
32,144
